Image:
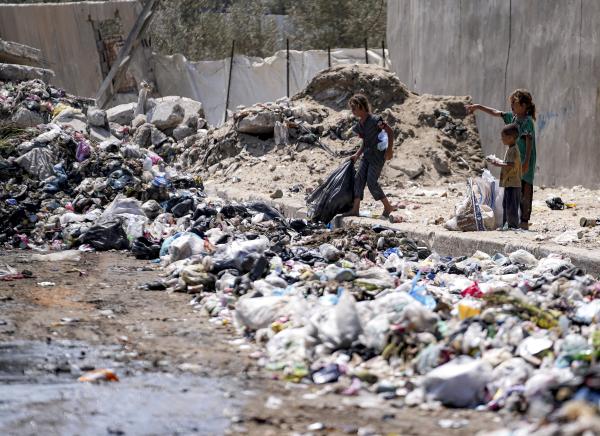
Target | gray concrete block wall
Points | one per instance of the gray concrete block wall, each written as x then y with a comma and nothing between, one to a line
65,35
487,48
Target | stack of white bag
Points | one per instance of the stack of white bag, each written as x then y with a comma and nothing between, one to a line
481,207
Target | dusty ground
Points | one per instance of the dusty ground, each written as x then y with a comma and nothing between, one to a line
153,337
422,203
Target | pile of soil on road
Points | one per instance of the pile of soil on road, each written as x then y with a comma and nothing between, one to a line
436,141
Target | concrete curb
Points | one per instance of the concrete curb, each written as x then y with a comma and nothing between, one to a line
443,241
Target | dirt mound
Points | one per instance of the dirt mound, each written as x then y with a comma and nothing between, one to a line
334,87
435,140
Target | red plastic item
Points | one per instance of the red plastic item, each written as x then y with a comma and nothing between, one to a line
472,291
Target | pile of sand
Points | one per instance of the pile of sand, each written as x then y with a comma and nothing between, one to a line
436,140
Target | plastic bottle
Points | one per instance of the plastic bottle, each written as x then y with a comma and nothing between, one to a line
147,164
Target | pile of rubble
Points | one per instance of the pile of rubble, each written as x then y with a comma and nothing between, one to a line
295,142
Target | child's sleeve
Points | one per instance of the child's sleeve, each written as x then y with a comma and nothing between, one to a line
507,117
510,156
528,128
357,130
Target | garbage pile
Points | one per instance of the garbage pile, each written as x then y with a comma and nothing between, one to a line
369,313
374,313
63,162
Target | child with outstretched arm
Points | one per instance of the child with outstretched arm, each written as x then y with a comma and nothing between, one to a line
523,115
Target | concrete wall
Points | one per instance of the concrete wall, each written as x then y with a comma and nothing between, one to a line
65,34
487,48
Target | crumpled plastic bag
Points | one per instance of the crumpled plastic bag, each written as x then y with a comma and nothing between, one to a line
259,312
83,150
334,196
288,346
523,257
37,162
106,235
186,245
142,248
337,327
376,332
124,205
461,382
481,207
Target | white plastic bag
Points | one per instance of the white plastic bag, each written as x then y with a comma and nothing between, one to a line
187,245
124,205
496,195
459,383
59,256
339,326
257,313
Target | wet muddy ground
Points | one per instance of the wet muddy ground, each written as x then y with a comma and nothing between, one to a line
178,372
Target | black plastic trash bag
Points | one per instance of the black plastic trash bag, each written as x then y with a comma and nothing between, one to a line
555,203
334,196
270,212
233,210
142,248
106,236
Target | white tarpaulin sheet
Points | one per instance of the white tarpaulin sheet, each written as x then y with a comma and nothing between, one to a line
253,80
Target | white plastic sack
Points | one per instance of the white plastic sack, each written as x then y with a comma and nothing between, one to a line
459,383
281,133
37,162
512,372
496,196
187,245
124,205
288,346
523,257
260,312
339,326
375,333
375,277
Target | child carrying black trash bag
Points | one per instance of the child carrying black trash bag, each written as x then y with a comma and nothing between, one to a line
369,129
510,177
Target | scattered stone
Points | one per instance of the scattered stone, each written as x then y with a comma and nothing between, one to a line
182,131
166,115
449,144
122,114
96,117
257,123
99,134
277,194
441,164
138,121
17,73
